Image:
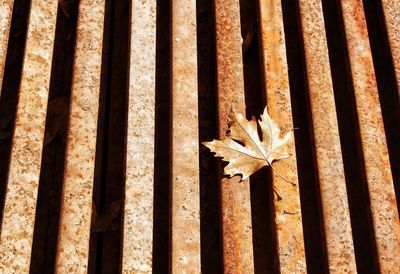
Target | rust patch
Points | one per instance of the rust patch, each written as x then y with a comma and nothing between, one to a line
22,186
330,171
138,213
289,226
391,10
76,204
235,196
373,141
6,8
185,147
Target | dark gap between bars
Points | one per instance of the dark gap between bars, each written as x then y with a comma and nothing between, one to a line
266,258
96,239
310,196
10,89
110,166
44,247
350,139
387,85
162,163
209,191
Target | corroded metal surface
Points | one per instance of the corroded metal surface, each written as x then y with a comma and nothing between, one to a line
373,142
235,197
6,7
138,215
287,211
330,172
392,19
76,210
185,147
23,181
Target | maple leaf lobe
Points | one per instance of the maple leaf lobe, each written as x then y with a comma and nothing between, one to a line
243,148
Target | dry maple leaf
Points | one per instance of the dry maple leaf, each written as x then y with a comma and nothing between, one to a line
243,148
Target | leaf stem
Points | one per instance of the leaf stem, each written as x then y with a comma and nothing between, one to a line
283,178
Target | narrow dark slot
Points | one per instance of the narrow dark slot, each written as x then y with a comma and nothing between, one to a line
110,182
209,190
51,175
10,89
96,239
360,214
262,209
162,185
314,238
386,79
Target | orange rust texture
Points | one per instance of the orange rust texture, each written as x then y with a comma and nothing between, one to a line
185,147
23,181
330,172
6,8
138,213
289,226
76,210
235,196
391,10
376,159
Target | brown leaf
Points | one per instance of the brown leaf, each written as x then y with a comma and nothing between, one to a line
243,148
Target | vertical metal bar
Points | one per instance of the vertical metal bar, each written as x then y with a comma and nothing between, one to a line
287,211
138,215
76,209
235,197
373,142
185,148
330,172
391,9
6,8
23,178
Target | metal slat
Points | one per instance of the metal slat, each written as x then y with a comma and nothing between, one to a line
6,8
138,216
287,211
391,10
235,197
23,178
76,209
185,256
374,149
330,172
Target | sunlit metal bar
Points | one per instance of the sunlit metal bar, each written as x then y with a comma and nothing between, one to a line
6,8
185,147
76,209
329,165
23,179
138,215
373,142
391,10
287,211
237,237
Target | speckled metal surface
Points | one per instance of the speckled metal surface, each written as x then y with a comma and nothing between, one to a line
20,205
6,8
391,10
330,173
76,209
375,153
237,235
138,213
185,250
287,211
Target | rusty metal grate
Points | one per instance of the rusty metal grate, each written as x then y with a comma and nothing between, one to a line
104,104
